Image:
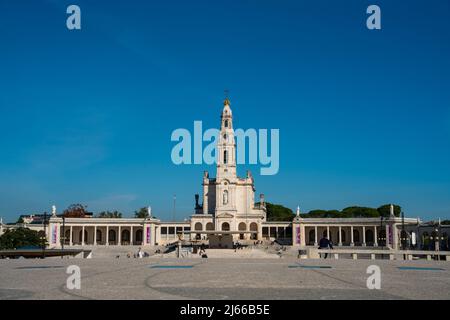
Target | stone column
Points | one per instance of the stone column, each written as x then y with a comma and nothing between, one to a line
131,236
107,236
328,232
387,235
70,237
95,235
375,239
351,237
82,236
395,233
364,236
302,235
120,236
315,235
340,236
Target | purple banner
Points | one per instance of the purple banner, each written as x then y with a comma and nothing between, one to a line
391,235
54,234
297,232
148,235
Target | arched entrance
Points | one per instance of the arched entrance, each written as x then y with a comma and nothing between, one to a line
242,227
125,237
67,237
112,236
369,237
139,237
98,236
254,227
311,237
198,227
225,226
356,237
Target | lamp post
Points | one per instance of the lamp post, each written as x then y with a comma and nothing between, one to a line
44,236
403,232
436,241
63,233
381,230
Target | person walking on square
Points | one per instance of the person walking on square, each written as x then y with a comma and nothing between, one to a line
324,243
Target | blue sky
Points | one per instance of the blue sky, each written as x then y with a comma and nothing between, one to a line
86,116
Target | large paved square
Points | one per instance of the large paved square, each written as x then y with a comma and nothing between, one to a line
167,278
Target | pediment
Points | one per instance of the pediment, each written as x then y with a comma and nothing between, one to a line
225,215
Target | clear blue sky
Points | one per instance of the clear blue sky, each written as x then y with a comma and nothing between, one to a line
86,116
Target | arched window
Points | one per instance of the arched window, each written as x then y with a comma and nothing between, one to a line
225,157
139,235
226,124
125,236
209,226
312,236
198,226
355,236
112,235
225,226
369,236
254,228
67,236
99,236
225,197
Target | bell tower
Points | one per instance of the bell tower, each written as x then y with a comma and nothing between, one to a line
226,146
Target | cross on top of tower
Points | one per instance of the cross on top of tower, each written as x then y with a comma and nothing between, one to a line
226,101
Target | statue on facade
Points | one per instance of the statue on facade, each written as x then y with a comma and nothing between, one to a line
53,211
149,212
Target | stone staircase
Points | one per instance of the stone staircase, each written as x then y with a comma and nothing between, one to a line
247,253
115,251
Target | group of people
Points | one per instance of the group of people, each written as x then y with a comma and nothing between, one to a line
140,254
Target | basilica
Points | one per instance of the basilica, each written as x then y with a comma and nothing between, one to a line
229,214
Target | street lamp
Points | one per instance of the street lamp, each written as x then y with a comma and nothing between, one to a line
44,235
403,231
381,230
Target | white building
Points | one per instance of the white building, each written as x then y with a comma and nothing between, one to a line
228,214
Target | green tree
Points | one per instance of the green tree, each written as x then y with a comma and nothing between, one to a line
141,213
75,211
385,210
109,214
277,212
15,238
322,214
360,212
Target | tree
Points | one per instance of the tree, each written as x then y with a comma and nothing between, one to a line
360,212
109,214
15,238
141,213
385,210
75,211
277,212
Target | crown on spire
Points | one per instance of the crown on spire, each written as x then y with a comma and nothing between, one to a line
226,101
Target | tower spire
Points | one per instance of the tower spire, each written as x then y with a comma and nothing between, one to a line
227,100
